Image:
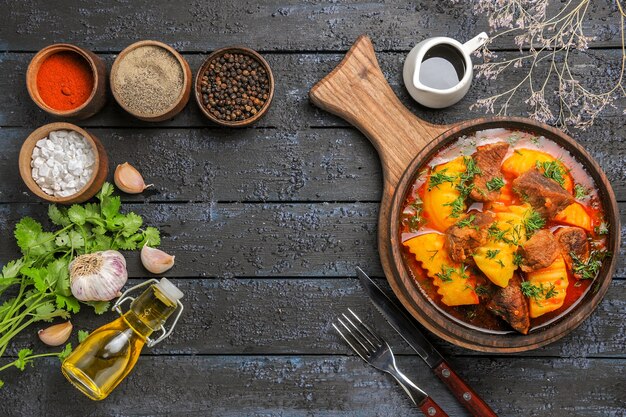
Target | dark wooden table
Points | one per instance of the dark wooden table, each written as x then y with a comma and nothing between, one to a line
268,223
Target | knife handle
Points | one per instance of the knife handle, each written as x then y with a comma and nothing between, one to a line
431,409
463,393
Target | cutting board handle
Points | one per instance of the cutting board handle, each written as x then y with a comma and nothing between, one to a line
357,91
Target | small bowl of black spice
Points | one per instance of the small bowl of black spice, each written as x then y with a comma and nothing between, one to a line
234,87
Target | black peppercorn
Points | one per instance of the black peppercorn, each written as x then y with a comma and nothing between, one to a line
234,87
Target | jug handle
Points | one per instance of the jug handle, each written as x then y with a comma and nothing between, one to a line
475,43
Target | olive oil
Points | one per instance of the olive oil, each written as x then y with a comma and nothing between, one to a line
108,355
442,67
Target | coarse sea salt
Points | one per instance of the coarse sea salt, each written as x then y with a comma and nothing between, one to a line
62,163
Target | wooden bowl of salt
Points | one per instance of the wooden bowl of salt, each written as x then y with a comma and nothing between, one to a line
99,169
151,81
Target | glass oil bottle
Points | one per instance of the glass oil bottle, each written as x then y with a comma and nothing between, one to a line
109,353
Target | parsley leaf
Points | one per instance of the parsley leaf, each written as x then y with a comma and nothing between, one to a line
446,273
23,358
151,237
99,307
438,178
540,292
589,269
491,253
533,222
580,192
131,223
68,303
553,170
82,335
67,351
468,222
77,214
495,184
58,215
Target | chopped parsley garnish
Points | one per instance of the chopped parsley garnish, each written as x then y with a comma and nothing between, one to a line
491,253
458,205
499,262
535,140
471,169
495,184
540,292
590,268
513,139
552,292
438,178
496,233
413,217
482,290
468,222
533,222
552,170
434,253
602,229
446,273
462,272
517,259
464,186
580,192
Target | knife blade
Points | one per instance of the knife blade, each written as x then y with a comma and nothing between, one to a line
411,334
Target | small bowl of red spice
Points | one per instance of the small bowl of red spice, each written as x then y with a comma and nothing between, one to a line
67,81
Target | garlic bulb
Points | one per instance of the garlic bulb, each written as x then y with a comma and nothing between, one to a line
128,179
98,276
56,335
155,260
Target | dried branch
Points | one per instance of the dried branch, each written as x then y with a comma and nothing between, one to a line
545,41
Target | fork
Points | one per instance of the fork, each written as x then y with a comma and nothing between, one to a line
374,350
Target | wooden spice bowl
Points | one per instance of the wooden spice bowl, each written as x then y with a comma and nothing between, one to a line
234,50
177,105
100,169
96,100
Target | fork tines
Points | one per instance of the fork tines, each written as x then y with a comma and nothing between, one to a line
361,338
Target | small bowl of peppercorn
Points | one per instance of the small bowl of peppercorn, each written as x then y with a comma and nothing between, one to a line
234,87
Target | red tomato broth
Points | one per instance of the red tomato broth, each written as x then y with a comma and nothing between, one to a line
478,315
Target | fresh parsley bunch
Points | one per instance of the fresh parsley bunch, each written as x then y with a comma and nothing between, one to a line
36,287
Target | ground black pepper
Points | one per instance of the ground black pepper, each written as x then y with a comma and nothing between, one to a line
234,87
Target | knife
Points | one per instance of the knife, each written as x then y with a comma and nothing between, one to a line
420,344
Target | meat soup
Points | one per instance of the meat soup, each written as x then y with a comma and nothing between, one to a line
503,230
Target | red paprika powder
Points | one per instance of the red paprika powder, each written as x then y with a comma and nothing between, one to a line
65,81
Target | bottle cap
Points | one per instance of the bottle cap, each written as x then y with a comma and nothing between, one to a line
169,290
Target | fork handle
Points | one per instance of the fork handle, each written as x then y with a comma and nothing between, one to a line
463,393
430,408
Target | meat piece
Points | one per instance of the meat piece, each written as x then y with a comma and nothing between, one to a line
573,240
510,304
539,251
544,194
467,234
488,158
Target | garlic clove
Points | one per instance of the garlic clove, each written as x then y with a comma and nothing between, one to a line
56,335
155,260
128,179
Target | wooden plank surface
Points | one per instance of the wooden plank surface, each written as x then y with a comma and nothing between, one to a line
296,73
300,386
268,223
293,316
255,240
269,25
